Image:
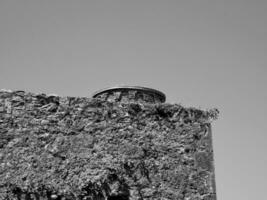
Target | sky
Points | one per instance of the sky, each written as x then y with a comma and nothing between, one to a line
204,54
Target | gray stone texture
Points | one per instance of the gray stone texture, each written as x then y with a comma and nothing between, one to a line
91,149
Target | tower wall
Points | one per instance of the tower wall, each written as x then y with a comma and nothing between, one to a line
128,94
81,148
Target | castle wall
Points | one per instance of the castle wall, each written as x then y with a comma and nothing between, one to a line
80,148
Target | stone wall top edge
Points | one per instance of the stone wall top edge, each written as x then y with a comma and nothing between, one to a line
211,114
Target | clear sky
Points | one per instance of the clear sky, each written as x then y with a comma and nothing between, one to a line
199,53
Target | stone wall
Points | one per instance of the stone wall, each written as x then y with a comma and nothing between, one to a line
80,148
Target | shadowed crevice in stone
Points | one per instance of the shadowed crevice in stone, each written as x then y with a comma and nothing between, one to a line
118,197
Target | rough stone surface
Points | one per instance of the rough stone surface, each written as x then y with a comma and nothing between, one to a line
80,148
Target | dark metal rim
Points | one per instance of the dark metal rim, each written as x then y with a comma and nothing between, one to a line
139,88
